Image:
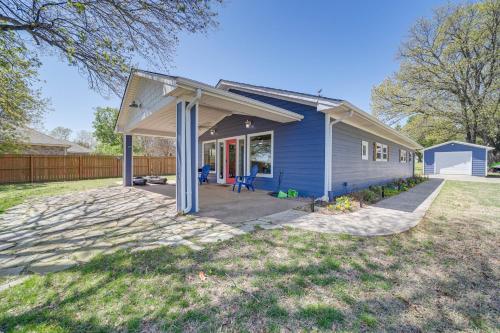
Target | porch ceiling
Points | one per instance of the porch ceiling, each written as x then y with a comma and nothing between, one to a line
156,95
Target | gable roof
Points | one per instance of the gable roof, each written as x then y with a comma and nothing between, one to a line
337,108
33,137
282,93
30,136
460,143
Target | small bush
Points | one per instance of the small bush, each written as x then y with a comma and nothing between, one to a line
376,189
343,203
390,191
369,196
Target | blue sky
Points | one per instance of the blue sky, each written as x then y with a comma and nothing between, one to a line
342,47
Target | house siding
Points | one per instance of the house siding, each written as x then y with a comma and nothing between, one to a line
299,153
348,167
479,157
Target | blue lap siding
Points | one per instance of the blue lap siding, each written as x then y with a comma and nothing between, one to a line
348,166
479,157
299,147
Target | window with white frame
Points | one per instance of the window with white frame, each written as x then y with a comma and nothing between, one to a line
209,154
402,156
364,150
260,153
381,152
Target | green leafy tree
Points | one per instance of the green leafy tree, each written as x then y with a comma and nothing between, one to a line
108,141
20,103
449,76
103,38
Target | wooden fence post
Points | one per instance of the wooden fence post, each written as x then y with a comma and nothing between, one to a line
80,167
31,169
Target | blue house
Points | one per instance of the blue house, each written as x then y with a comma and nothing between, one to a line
316,145
456,158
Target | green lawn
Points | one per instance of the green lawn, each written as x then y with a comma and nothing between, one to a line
14,194
442,275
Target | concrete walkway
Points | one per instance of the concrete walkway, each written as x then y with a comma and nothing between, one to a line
389,216
464,178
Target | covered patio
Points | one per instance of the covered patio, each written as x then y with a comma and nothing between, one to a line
169,106
220,203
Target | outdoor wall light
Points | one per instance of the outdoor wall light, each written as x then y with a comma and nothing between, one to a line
248,123
212,132
134,104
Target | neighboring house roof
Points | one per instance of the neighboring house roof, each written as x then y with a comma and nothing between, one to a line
35,138
459,142
77,149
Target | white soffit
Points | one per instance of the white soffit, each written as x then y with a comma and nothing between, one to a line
369,123
156,93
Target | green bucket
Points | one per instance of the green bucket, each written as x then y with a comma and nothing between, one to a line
282,195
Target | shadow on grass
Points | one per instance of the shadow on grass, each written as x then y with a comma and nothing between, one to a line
160,289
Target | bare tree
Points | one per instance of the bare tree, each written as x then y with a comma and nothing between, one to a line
155,146
61,132
450,72
85,139
104,37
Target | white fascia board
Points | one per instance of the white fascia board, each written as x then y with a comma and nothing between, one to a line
405,141
215,92
460,143
277,93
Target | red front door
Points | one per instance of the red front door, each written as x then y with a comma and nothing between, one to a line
230,161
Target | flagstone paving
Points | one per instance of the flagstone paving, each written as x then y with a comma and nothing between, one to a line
54,233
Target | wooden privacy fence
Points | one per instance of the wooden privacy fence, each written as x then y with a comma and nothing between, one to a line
42,168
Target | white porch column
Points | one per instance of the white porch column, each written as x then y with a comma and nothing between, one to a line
128,165
187,157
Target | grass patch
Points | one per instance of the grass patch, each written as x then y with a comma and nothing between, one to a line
15,194
287,280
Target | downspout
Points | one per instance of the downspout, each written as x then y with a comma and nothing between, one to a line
330,147
189,193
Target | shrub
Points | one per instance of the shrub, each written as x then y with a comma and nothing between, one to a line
376,189
369,196
343,203
390,191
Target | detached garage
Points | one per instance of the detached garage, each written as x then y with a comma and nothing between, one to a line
456,158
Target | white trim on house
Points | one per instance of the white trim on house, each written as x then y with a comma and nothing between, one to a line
382,146
328,155
458,142
286,95
403,157
203,153
366,156
249,136
327,105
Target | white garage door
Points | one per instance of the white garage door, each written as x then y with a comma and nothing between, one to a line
454,163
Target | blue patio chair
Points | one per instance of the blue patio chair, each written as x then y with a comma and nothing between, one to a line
246,180
203,177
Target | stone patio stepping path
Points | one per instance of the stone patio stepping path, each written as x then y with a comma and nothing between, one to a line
53,233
